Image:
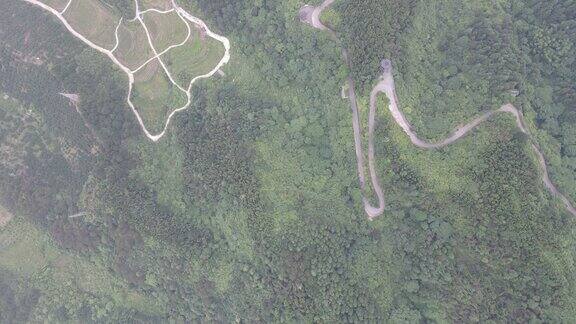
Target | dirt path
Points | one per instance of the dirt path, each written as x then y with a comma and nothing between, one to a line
311,15
186,17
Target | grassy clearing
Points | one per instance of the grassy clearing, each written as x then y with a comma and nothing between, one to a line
155,96
198,56
94,20
24,249
133,49
56,4
5,217
165,29
156,4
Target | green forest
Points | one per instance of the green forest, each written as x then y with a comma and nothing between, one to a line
249,208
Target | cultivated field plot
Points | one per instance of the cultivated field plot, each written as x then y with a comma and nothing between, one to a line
163,49
166,29
155,96
133,48
156,4
197,57
56,4
94,20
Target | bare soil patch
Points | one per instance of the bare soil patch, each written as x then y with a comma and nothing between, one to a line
155,96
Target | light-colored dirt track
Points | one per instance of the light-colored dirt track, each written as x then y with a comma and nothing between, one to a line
311,15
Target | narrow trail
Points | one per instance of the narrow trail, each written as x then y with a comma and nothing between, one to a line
80,214
66,8
186,17
311,15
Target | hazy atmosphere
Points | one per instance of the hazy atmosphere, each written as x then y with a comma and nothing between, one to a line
267,161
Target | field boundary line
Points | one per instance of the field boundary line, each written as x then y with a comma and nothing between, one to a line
66,8
311,15
156,54
116,35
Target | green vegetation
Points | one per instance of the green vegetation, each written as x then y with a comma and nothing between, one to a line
154,96
453,60
133,47
165,29
371,31
249,209
154,92
197,57
74,285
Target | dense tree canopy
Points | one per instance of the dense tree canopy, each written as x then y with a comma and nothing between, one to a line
249,210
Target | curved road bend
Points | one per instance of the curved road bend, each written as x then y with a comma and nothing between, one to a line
311,15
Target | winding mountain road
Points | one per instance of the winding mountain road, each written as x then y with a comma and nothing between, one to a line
311,16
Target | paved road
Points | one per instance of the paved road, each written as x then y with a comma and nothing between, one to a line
311,15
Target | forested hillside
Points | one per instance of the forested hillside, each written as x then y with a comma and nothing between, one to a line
248,209
452,61
456,59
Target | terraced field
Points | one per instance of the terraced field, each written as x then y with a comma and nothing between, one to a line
163,51
166,29
133,48
154,95
197,56
93,20
56,4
